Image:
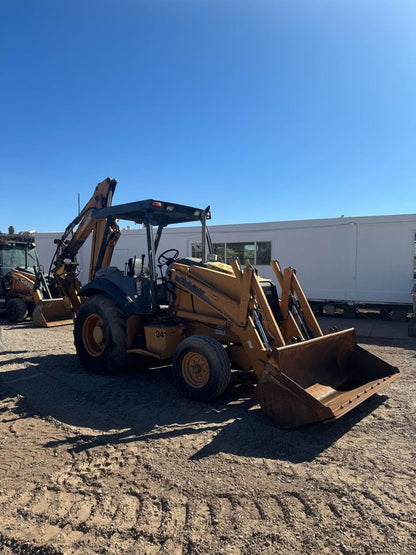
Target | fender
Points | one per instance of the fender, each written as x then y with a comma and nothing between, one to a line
123,293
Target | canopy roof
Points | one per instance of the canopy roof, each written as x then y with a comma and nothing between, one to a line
155,211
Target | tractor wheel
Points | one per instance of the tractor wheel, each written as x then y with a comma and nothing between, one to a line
201,367
100,335
16,310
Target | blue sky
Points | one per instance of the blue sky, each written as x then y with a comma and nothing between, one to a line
266,110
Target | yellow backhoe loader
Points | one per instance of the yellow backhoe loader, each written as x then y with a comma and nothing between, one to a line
23,284
209,318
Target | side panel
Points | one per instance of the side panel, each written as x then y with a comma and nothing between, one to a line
324,258
385,262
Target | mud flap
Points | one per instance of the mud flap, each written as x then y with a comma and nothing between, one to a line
51,312
321,379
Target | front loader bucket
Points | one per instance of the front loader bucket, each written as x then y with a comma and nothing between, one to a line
321,379
51,312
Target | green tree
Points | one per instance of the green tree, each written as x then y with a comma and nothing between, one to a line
11,229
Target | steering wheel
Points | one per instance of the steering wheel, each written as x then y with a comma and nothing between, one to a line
164,259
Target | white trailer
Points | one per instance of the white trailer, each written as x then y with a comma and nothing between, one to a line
355,261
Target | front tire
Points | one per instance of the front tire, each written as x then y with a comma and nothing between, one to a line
16,310
201,367
100,335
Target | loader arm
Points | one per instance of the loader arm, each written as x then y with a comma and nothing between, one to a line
303,375
236,302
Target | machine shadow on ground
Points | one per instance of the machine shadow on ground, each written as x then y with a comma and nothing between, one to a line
146,405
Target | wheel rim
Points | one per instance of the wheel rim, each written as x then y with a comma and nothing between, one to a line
195,370
93,336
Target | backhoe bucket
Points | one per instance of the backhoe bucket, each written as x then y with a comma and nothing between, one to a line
321,379
51,312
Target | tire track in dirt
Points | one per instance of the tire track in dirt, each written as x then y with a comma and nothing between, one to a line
159,516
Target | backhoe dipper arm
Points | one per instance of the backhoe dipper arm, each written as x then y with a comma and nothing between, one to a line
64,267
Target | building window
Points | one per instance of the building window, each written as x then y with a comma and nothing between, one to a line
196,250
219,250
257,253
243,251
263,252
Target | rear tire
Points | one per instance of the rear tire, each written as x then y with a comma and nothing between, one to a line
16,310
100,335
201,367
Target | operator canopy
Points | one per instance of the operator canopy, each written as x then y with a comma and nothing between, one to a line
155,212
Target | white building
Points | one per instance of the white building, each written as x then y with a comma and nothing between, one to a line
356,260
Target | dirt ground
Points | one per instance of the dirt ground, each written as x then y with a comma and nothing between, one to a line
125,465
